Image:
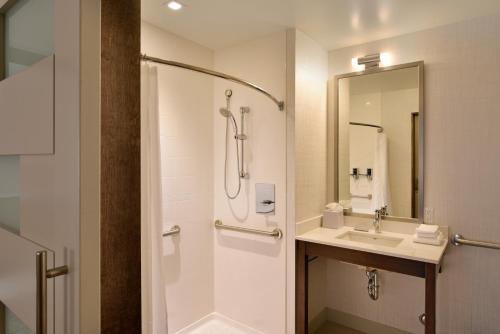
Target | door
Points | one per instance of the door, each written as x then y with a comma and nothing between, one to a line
38,173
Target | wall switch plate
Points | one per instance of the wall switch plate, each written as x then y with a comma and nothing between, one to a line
264,198
428,215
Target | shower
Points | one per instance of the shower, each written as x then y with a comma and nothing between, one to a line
239,138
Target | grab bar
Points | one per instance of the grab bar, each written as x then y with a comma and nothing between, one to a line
458,240
276,233
176,229
369,196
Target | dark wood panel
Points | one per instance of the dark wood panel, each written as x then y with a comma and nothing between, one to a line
301,289
2,318
120,167
430,298
398,265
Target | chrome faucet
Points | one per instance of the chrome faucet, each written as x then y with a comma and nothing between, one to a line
379,214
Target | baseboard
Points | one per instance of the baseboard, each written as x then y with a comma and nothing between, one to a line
318,321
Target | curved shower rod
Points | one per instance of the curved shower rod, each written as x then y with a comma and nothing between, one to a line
281,104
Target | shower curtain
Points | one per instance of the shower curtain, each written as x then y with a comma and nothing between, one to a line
153,290
381,191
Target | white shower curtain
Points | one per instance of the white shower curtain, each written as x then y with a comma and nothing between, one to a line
381,191
154,303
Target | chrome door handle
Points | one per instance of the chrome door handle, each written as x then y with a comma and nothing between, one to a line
42,274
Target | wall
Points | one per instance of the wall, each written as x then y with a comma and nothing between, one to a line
90,177
462,62
186,130
311,71
250,271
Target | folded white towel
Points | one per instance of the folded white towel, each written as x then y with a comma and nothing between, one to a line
429,241
334,207
427,229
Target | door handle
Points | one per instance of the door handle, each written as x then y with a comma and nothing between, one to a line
42,274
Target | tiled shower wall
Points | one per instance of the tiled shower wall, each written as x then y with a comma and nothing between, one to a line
186,130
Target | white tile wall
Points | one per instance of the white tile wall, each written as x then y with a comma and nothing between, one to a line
185,102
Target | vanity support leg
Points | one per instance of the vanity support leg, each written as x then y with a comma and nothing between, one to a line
301,289
430,298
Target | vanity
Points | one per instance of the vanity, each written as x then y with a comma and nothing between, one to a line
391,251
375,173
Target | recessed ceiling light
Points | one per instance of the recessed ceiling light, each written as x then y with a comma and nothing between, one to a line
174,5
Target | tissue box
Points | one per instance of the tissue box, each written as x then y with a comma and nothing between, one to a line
333,219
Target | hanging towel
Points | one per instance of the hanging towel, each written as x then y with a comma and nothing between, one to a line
381,193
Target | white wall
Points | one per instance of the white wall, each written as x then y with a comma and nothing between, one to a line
461,144
186,103
250,271
310,120
311,73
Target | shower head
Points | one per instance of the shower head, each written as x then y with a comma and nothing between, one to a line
225,112
229,115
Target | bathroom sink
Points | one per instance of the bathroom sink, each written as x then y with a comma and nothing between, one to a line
370,238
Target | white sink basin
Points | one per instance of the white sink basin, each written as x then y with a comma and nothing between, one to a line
370,238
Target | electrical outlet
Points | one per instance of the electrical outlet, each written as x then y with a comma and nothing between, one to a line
429,215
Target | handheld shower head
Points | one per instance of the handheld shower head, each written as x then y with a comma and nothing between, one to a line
225,112
229,115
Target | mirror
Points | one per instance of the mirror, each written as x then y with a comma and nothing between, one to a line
378,140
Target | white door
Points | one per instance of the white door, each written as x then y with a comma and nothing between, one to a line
39,189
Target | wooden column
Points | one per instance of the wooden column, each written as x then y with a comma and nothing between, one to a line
120,167
301,289
2,318
430,298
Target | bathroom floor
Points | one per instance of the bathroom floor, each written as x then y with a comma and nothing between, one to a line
333,328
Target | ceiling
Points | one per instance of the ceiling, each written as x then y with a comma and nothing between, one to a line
217,24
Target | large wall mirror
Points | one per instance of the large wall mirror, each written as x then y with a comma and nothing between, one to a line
376,141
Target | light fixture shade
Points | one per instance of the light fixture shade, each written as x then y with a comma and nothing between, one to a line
372,60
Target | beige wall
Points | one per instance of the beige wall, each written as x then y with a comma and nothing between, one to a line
462,62
186,131
311,70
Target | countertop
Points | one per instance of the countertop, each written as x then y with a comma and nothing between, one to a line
407,249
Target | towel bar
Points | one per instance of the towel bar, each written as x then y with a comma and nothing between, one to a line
176,229
369,196
276,233
458,240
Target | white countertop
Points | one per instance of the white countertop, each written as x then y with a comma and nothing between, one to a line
407,249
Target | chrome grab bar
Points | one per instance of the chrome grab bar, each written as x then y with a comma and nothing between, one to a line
176,229
458,240
369,196
276,233
42,274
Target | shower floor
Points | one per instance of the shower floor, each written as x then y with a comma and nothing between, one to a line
217,324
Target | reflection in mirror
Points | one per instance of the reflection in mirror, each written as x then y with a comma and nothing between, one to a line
378,153
10,323
9,193
28,34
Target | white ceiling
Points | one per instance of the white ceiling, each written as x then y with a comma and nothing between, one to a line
333,23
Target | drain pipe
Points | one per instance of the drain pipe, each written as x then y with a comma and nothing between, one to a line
373,285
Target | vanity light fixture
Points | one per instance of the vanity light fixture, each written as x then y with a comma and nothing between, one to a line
174,5
373,60
369,61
